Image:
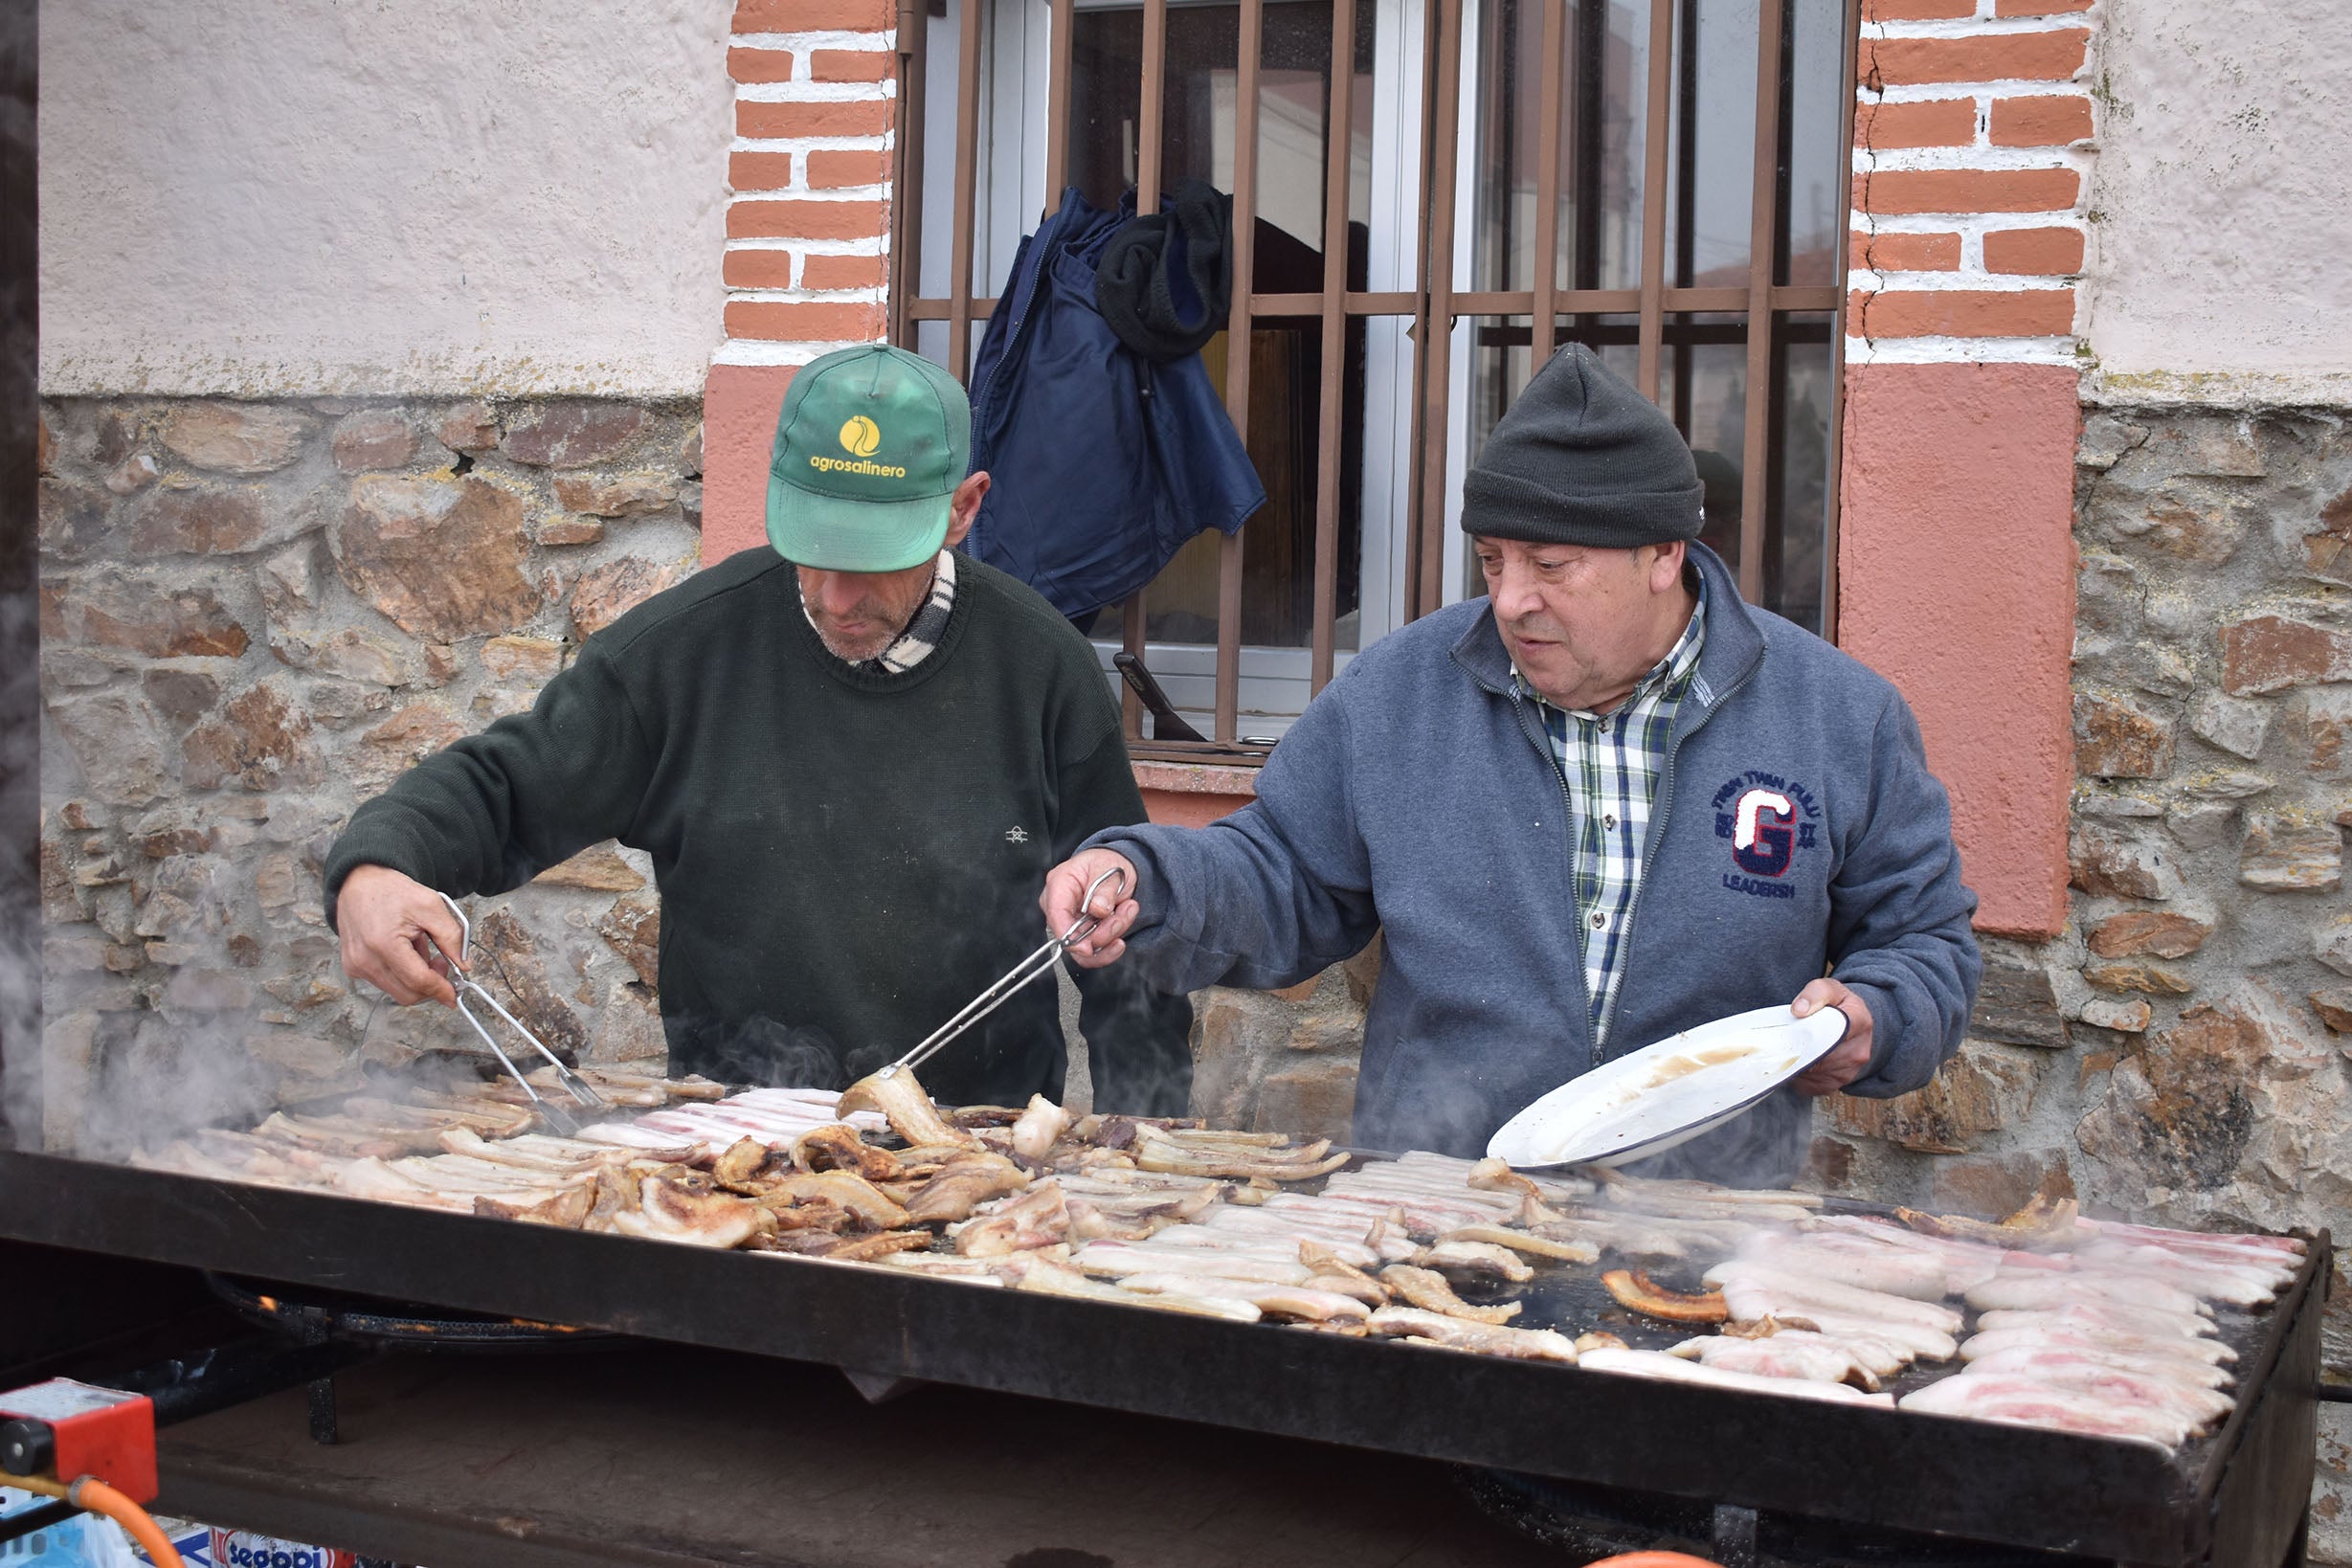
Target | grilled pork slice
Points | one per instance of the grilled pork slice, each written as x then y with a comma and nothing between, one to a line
1632,1288
371,1177
1633,1235
2091,1337
2105,1315
1472,1257
1032,1273
1843,1259
184,1158
1116,1260
2248,1281
969,1270
1038,1127
1535,1246
647,1143
873,1249
903,1103
2041,1224
1039,1217
1643,1198
2197,1241
1428,1290
1228,1225
566,1210
2158,1379
1707,1192
962,1185
1638,1363
2039,1290
1303,1301
1751,1302
460,1140
1158,1149
1810,1357
872,1207
1328,1266
2022,1401
1879,1357
668,1210
1795,1293
838,1146
1484,1340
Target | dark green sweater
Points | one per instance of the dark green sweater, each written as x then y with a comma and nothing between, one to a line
845,858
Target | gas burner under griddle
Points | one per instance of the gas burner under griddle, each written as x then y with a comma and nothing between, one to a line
316,1315
1590,1522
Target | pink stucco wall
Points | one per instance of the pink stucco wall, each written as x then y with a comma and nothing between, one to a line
1956,572
740,404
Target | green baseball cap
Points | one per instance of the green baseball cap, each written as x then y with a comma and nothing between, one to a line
869,448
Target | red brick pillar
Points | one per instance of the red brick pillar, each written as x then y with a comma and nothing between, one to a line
1972,149
808,223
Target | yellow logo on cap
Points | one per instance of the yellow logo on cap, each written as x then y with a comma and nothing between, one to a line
861,436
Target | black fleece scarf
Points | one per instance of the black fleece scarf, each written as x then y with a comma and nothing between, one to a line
1165,280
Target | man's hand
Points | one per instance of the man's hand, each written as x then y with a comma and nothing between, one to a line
1850,1056
384,919
1114,905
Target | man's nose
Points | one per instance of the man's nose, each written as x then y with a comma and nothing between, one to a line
839,593
1515,592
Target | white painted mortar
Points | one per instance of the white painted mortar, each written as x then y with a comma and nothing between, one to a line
413,196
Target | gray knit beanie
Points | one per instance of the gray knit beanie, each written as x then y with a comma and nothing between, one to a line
1582,459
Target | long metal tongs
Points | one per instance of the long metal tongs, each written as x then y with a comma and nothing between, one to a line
1039,962
555,1115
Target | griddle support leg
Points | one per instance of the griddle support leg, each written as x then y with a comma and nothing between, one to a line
323,1428
2299,1549
879,1387
1735,1536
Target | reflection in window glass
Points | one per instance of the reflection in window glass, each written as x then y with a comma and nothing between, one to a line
1605,50
1710,143
1813,134
1703,360
1796,536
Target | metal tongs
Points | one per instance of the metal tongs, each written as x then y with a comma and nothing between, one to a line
1039,962
555,1115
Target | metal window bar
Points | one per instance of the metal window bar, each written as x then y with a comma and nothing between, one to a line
1665,284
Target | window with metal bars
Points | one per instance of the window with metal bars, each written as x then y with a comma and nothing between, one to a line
1664,180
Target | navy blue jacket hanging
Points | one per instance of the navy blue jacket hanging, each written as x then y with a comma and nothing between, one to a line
1104,462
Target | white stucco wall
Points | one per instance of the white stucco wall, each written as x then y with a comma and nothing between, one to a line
2223,201
382,196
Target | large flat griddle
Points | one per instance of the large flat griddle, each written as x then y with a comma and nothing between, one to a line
2237,1497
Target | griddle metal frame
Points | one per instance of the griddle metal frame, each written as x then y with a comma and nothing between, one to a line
2237,1500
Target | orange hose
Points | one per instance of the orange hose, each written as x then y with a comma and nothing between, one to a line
97,1497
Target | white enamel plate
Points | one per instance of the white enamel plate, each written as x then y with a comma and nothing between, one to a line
1668,1093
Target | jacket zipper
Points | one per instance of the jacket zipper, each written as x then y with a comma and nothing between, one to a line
1666,809
1567,806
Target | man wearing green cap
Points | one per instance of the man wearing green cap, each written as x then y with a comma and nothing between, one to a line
852,759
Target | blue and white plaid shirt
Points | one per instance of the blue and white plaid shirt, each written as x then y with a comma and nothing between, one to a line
1610,763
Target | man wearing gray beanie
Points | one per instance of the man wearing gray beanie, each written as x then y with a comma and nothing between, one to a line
1604,804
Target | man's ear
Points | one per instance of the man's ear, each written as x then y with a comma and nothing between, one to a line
965,505
1665,566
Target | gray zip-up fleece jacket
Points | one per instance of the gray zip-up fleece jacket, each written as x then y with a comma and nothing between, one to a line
1418,797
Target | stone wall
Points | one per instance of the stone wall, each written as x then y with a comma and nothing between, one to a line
2174,1054
255,616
